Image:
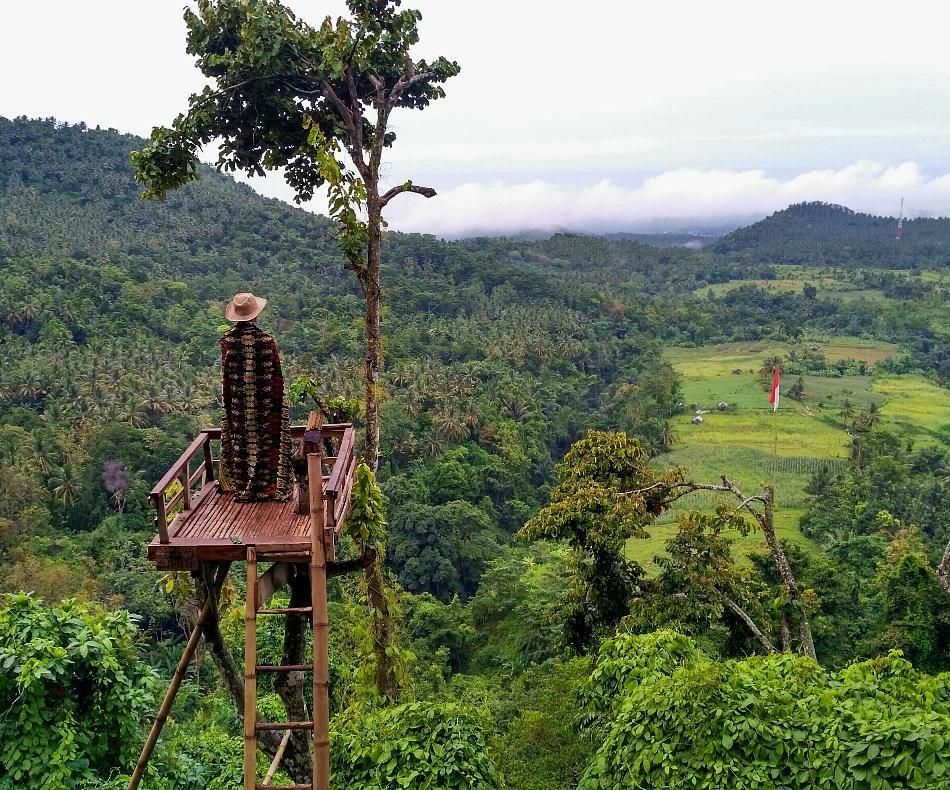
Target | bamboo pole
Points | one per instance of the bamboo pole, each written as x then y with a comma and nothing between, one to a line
277,758
250,673
162,716
163,711
318,595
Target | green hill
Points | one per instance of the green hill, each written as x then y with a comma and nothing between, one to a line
822,233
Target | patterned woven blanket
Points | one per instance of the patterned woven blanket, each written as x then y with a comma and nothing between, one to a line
255,429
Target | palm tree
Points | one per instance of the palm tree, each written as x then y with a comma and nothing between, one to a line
29,310
472,417
66,484
411,406
872,416
10,446
156,400
32,385
44,450
516,407
450,427
847,410
189,398
432,447
667,437
132,410
768,368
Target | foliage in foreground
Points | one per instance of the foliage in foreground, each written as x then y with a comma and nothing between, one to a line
675,718
72,692
414,745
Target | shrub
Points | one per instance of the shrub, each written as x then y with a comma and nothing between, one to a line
72,692
684,720
415,745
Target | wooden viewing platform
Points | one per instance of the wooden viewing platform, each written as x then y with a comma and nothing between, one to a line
197,522
204,530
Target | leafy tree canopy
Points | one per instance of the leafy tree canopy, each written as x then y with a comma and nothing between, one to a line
271,73
679,719
412,745
601,500
72,690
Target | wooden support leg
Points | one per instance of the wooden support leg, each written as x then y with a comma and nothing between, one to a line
321,659
275,763
250,673
162,716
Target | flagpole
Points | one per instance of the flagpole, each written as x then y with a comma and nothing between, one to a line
774,447
774,398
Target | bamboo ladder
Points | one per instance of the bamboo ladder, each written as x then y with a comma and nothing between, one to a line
319,724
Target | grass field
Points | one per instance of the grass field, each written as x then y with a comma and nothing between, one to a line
773,286
831,283
915,405
741,443
696,364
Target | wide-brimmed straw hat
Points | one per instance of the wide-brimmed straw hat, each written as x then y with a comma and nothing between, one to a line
244,307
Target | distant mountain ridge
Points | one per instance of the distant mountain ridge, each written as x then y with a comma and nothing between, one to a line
825,233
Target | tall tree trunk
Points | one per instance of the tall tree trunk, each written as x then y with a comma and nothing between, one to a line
767,522
232,676
786,635
381,626
373,294
943,570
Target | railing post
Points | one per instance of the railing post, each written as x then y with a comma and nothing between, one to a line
209,460
186,485
250,672
161,519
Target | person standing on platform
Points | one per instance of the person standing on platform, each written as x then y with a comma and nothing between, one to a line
255,430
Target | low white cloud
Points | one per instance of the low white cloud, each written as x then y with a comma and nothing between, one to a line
685,195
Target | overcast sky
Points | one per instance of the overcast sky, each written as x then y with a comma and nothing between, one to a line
591,115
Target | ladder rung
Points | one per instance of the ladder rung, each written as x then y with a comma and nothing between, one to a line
284,668
283,725
288,610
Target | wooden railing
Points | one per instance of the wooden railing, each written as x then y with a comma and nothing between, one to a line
339,482
180,472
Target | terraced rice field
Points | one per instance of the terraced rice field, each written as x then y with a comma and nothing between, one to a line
741,443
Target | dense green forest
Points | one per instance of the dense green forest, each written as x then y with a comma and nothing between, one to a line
821,233
536,649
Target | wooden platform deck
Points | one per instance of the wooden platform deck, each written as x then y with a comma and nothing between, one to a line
218,528
206,524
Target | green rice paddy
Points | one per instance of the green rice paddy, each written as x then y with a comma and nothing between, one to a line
754,447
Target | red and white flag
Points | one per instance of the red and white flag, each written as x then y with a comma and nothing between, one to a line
773,393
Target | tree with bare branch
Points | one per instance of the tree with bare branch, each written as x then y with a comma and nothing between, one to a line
286,96
762,508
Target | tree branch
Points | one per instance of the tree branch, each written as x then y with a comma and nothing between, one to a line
407,81
756,631
407,187
356,110
688,487
943,570
766,521
364,560
351,122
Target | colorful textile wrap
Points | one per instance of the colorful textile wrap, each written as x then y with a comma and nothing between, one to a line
255,430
